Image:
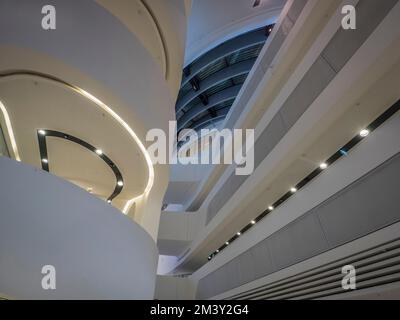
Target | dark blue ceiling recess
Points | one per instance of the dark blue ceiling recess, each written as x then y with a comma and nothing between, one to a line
212,82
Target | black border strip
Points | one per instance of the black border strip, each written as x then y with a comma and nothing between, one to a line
65,136
342,152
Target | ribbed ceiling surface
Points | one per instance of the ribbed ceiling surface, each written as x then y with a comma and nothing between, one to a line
211,83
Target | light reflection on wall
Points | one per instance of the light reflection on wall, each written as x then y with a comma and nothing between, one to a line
3,145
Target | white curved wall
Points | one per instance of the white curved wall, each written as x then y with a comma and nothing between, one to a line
98,252
215,21
161,27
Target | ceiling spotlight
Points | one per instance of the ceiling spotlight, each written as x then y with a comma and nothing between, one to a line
293,190
364,133
209,258
42,132
270,208
239,234
217,251
120,183
99,152
45,161
253,222
108,201
323,166
227,243
256,3
90,190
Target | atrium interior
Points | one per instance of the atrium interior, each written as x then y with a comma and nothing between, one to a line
199,149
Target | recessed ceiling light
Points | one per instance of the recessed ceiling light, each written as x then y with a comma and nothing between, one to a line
45,161
99,152
90,190
323,166
293,190
239,234
253,222
42,132
256,3
364,133
227,243
270,208
120,183
108,201
217,251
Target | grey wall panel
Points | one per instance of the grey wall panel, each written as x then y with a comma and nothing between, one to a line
308,237
276,44
346,42
365,206
234,273
283,249
227,190
373,204
221,277
314,82
263,263
201,292
296,242
269,138
247,266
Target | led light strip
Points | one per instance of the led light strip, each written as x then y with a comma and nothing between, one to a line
44,133
10,131
104,107
336,156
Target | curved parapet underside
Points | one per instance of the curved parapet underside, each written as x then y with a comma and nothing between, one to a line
96,251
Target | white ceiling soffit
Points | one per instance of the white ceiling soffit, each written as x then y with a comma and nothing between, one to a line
34,103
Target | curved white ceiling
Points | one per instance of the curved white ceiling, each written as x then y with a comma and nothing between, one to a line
215,21
35,103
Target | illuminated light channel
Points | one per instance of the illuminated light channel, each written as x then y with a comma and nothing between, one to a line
10,132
